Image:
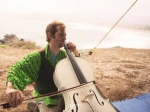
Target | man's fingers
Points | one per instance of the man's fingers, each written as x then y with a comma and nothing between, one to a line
18,98
21,97
15,98
10,99
71,46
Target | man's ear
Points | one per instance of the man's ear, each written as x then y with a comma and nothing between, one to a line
49,35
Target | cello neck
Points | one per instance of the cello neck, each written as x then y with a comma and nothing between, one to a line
75,66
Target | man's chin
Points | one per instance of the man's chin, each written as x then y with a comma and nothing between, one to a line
62,45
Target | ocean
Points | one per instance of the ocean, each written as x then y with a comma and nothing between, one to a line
84,35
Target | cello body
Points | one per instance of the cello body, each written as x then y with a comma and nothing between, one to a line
65,77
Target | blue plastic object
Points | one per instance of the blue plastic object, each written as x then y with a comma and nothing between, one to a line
139,104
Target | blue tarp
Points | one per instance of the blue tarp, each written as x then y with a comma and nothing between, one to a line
138,104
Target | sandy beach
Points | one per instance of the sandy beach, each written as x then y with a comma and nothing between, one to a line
120,73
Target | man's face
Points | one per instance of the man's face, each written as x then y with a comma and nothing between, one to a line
59,37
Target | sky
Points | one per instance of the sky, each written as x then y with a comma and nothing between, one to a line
96,10
73,6
77,11
69,6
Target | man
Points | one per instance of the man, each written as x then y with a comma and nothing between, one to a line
38,67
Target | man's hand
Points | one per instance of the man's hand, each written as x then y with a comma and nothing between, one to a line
72,47
15,97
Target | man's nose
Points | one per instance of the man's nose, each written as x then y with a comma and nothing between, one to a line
64,37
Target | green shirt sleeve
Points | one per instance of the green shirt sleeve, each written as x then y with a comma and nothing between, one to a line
25,71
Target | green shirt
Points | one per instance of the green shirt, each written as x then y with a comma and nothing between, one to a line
26,71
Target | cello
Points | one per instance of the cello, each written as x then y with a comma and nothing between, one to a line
73,71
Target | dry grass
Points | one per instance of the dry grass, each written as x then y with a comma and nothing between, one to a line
21,44
24,45
3,46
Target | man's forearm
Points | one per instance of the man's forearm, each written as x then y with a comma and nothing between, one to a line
76,53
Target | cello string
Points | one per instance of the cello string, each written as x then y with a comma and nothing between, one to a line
77,70
112,28
76,67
